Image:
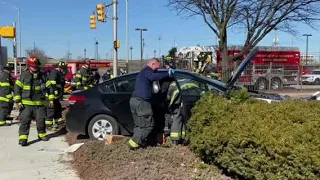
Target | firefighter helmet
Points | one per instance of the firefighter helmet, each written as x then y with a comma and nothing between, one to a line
33,62
62,65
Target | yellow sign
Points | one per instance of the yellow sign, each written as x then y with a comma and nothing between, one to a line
8,32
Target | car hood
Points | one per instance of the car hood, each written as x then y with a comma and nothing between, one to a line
242,66
266,96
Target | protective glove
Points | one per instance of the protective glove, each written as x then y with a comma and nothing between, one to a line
171,71
50,104
19,106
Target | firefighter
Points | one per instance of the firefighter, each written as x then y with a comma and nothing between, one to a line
55,88
108,75
177,134
83,78
6,101
29,95
141,103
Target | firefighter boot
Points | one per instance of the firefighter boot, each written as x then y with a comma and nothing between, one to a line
43,137
23,142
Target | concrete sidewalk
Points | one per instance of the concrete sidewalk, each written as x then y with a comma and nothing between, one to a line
40,160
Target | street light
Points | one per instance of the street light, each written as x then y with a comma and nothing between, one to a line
140,29
19,21
307,44
131,52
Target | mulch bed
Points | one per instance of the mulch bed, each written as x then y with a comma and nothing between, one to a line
97,161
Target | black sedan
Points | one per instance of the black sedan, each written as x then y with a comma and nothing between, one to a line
104,109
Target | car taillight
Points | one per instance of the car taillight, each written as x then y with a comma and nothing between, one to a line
77,99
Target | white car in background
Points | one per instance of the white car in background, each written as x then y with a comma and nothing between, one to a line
312,78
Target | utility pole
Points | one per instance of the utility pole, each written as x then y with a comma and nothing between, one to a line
127,33
159,46
85,53
1,53
307,45
15,51
141,39
131,52
154,53
34,48
97,50
115,38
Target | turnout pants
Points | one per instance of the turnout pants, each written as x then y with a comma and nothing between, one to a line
5,111
143,121
39,113
178,125
54,113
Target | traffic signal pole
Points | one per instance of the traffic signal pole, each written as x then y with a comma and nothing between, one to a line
115,38
15,51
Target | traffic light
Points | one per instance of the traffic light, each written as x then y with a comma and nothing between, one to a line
101,13
93,22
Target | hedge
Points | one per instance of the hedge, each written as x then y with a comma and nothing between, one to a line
252,139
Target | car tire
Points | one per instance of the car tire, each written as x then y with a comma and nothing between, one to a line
102,125
276,84
317,81
261,84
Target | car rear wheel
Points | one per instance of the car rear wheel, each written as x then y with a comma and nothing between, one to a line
102,125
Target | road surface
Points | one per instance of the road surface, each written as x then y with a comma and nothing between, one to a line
40,160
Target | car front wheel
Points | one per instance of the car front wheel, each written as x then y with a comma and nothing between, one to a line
102,125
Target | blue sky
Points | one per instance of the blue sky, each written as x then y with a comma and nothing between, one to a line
56,26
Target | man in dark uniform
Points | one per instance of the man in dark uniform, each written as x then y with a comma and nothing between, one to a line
140,102
6,88
55,85
29,95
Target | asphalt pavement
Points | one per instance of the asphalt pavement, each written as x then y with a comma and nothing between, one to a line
40,160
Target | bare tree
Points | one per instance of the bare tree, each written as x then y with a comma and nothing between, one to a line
37,52
256,17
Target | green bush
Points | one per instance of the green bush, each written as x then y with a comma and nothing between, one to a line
253,139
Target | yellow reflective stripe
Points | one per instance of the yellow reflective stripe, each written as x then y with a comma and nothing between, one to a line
9,96
78,76
2,122
48,83
4,99
174,95
42,135
53,82
78,83
49,122
175,134
60,120
84,78
91,85
33,103
38,88
5,84
18,97
19,83
23,137
52,97
111,76
56,92
26,88
133,144
85,88
183,134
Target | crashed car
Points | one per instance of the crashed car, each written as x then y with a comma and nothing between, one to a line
105,110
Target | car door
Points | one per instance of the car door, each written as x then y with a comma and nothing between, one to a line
117,100
189,98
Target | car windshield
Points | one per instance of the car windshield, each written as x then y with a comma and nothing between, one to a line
315,72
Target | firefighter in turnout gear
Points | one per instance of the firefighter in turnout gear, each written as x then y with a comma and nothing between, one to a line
55,85
178,125
6,101
29,95
205,66
84,80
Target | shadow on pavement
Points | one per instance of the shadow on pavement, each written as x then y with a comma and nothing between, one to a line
60,132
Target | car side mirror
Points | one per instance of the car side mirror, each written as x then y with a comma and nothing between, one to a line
155,87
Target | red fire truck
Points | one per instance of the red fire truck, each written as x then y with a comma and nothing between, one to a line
272,68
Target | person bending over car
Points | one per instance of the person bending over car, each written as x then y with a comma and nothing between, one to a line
140,102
